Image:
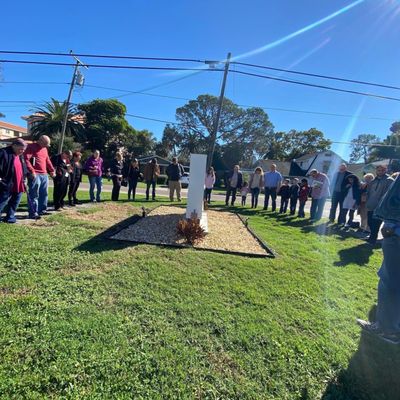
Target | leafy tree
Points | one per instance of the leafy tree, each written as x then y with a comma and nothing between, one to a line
168,146
249,129
392,151
68,144
50,117
105,124
361,148
2,115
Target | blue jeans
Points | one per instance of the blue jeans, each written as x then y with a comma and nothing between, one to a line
388,311
38,187
12,200
254,197
95,181
317,208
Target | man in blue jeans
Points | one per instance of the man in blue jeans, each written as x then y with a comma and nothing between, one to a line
38,163
272,183
387,325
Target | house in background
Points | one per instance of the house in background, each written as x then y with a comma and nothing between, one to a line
282,166
9,132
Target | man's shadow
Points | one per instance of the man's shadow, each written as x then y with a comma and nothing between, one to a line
373,372
358,255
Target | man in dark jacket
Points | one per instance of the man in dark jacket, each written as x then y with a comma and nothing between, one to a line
174,172
62,165
339,192
235,182
13,171
387,324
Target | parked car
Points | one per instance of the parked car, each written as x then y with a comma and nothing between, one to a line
185,180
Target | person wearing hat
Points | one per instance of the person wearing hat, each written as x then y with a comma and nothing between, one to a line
13,171
62,164
38,163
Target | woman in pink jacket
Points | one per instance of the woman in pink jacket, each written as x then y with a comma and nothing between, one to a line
209,184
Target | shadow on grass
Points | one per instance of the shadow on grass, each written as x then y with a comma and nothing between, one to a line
358,255
372,374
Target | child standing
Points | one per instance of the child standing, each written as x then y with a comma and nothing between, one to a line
209,184
303,196
294,195
284,192
243,192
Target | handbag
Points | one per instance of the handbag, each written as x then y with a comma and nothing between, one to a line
124,183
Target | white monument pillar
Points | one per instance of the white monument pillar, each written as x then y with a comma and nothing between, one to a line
195,203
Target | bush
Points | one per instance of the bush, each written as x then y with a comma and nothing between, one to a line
162,180
191,229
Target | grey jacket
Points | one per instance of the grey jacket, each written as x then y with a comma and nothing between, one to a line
389,208
376,190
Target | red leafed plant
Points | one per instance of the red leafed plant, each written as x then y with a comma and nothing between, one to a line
191,229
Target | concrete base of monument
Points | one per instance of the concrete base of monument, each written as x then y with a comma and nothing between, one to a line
227,232
204,221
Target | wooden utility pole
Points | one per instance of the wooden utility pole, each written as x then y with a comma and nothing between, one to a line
218,116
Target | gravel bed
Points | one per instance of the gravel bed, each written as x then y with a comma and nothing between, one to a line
226,231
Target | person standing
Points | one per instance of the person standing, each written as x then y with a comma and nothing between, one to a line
150,174
235,181
319,193
94,169
304,192
284,192
133,177
362,209
387,324
209,184
174,172
61,181
12,174
116,171
256,183
338,193
352,198
38,163
294,195
75,178
272,184
375,192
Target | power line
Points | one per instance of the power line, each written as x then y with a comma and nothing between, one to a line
136,67
316,86
319,75
41,53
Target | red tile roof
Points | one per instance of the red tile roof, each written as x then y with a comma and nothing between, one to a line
13,127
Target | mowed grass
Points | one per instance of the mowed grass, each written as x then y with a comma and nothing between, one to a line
86,317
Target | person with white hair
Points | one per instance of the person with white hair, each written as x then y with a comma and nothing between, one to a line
39,165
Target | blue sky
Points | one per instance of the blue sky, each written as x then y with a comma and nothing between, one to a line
360,43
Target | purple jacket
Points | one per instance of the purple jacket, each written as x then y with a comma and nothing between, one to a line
94,167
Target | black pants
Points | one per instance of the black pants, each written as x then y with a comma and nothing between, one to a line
293,205
244,200
301,209
343,216
284,204
73,188
116,188
374,225
60,191
270,191
337,200
230,191
255,192
132,183
153,189
207,195
317,208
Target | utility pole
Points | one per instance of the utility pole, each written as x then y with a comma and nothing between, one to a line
71,88
218,116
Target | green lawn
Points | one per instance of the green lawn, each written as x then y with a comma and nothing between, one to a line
86,317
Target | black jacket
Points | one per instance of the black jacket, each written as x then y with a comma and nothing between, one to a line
240,179
134,173
175,172
344,182
62,169
117,167
294,191
7,168
76,175
284,192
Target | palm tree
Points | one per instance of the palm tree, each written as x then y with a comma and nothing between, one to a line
48,120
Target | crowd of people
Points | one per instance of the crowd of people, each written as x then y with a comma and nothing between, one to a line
32,162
